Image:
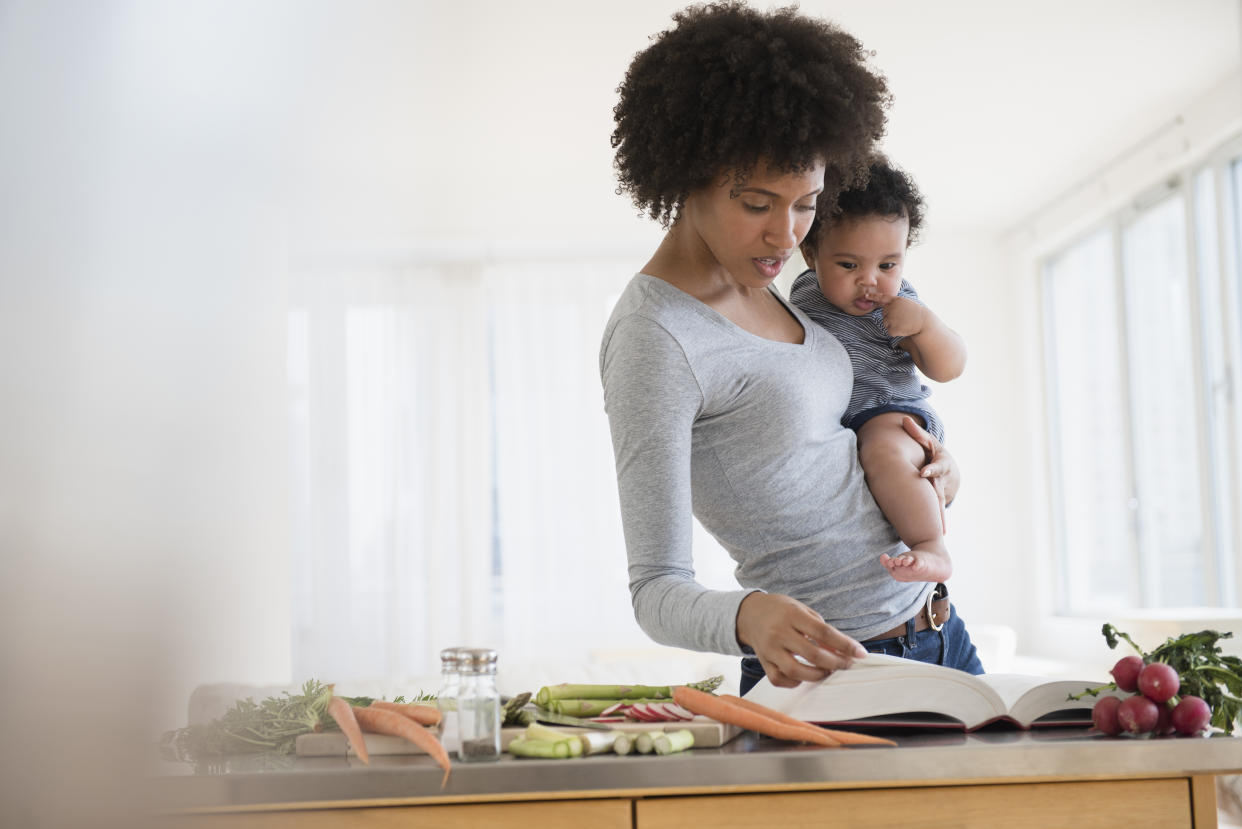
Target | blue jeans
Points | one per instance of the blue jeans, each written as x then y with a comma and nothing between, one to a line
950,646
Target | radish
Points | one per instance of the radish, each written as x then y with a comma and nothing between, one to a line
1125,672
1137,715
1191,715
1158,682
1164,720
679,712
1104,716
612,709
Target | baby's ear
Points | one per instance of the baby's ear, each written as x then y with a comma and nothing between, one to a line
808,253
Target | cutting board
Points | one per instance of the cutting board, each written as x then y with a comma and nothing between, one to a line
707,734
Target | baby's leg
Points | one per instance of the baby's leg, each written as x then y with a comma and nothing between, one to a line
891,461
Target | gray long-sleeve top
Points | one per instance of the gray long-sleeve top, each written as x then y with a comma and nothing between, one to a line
745,434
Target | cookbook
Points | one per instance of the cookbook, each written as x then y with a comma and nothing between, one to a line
889,691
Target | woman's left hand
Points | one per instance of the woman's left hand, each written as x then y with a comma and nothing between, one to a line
940,470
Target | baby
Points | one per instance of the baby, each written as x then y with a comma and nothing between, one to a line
856,291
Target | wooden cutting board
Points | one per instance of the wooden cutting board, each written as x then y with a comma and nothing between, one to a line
707,734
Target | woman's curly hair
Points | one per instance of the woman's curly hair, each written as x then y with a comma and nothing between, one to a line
887,192
729,86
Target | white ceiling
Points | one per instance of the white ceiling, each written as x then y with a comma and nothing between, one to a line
482,120
999,106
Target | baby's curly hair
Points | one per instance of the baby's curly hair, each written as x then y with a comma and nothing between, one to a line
729,86
888,192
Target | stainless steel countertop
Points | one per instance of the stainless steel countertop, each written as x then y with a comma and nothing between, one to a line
747,762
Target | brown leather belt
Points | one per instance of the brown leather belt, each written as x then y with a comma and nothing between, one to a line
932,615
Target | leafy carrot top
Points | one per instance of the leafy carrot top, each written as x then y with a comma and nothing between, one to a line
270,725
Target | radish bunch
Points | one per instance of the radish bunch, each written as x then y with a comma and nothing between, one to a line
1155,709
645,712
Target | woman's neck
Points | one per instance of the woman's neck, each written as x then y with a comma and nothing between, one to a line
682,260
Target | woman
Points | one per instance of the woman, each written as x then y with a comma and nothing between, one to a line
723,400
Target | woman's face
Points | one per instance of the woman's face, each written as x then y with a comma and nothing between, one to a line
752,230
858,256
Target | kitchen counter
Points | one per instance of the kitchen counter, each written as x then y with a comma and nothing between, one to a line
1043,769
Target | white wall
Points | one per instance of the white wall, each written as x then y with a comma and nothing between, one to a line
142,455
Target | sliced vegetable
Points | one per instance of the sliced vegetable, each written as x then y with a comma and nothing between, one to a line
670,742
644,743
539,731
597,742
624,744
527,747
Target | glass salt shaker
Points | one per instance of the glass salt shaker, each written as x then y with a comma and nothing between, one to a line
478,705
446,699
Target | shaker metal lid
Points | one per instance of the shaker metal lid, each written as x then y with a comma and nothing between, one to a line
451,656
476,659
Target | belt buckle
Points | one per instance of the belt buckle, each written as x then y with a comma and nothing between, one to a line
939,592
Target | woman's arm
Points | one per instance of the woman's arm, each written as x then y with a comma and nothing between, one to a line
651,398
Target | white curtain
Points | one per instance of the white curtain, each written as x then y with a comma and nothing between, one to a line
452,467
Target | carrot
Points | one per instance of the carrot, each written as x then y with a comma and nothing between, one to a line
421,714
381,721
343,713
843,737
727,712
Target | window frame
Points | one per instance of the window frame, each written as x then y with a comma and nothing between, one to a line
1218,514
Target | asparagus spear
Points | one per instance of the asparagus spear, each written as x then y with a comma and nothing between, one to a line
587,707
615,693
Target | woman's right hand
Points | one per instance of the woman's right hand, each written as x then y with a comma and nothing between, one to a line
780,629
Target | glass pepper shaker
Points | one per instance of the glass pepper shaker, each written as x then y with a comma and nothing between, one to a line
478,705
446,699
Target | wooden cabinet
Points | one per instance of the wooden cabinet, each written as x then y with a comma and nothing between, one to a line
546,814
1093,805
1161,803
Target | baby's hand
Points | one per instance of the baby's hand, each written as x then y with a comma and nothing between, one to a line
903,317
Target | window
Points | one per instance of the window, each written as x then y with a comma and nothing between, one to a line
1141,321
452,466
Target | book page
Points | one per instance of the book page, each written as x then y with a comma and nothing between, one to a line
1011,687
882,684
1054,696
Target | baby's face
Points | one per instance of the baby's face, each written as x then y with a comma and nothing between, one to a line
858,256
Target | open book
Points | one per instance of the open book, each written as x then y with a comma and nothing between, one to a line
889,691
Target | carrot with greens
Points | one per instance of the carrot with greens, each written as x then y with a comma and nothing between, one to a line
845,738
343,713
390,722
421,714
